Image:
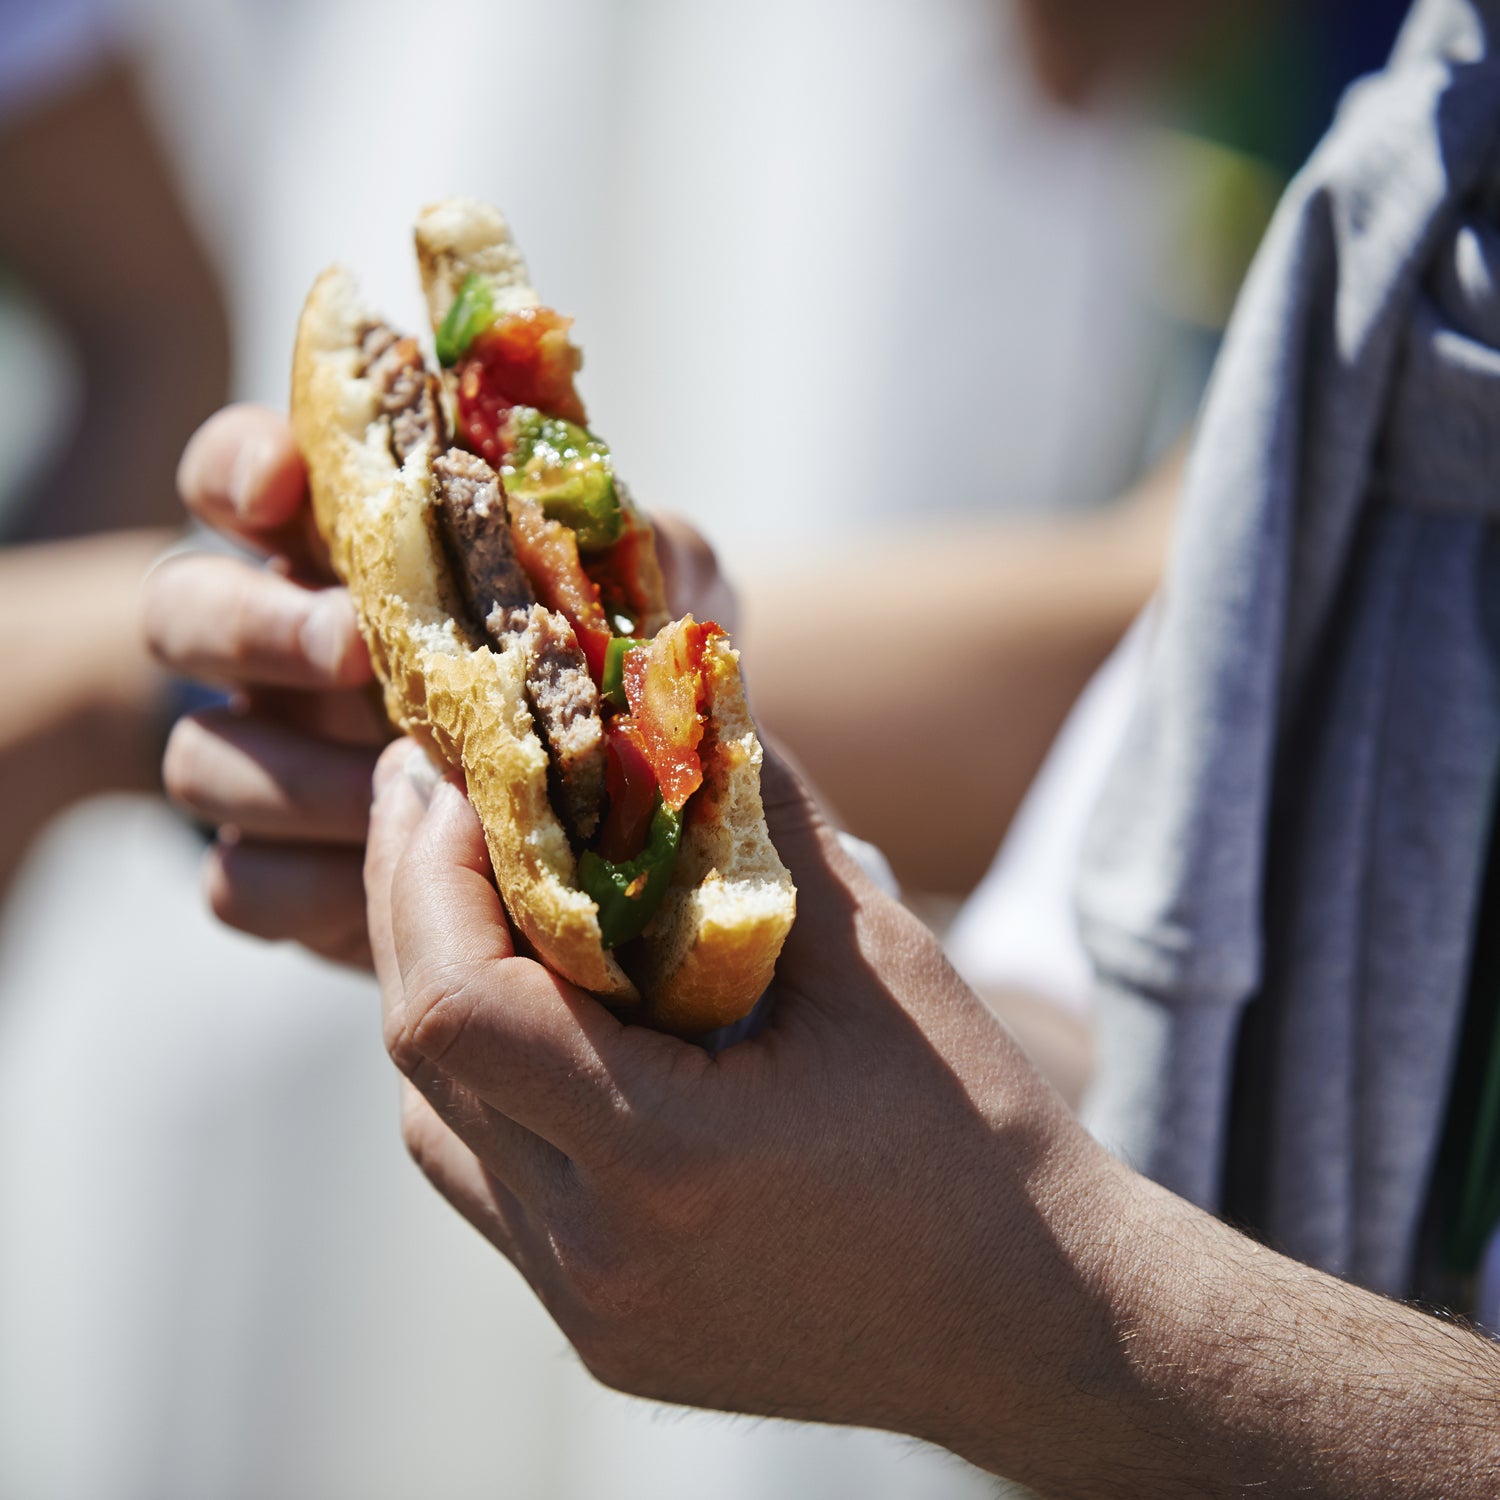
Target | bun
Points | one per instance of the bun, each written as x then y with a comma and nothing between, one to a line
710,950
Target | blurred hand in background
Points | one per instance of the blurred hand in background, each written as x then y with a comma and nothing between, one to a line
95,236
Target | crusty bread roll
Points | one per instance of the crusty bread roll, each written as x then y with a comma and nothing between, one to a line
709,951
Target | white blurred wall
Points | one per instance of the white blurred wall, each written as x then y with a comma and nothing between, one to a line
830,260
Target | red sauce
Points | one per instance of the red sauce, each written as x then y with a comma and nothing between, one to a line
523,359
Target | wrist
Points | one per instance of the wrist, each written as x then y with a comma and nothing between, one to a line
1236,1368
1039,1385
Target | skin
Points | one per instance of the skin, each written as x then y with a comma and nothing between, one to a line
94,230
82,711
874,1212
1042,606
284,772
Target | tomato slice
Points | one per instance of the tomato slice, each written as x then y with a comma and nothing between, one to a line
548,551
481,414
664,685
522,359
631,784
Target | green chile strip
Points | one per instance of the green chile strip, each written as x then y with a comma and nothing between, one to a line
472,312
623,915
612,683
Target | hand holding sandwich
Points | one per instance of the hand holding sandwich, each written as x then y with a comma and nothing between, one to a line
875,1212
284,772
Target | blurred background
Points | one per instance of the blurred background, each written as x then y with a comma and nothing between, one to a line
908,304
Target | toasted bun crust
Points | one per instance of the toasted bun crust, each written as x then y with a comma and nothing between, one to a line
709,953
460,237
466,704
713,945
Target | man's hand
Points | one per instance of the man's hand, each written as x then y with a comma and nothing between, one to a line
284,771
777,1229
875,1212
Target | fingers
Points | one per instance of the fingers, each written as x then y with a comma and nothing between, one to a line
268,782
404,779
241,473
219,619
542,1052
310,896
460,1176
836,899
537,1173
355,716
405,782
807,842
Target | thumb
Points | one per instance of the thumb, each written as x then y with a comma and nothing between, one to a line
841,910
404,781
805,837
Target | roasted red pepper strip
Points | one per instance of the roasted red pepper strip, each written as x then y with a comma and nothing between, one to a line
664,684
631,784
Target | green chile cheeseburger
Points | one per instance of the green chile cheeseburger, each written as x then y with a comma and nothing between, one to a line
510,595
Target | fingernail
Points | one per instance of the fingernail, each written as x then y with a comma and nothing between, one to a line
325,632
251,466
425,777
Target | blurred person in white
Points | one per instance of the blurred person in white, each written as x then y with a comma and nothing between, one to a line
115,337
229,1333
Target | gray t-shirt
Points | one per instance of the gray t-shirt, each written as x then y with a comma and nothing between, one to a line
1280,884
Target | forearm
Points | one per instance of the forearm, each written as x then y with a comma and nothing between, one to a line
946,658
82,700
1209,1365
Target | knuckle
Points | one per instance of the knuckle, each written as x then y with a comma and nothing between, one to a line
220,891
391,765
622,1343
610,1288
612,1362
421,1133
158,616
245,621
431,1022
184,770
398,1043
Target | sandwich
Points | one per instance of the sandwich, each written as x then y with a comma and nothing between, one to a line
510,594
